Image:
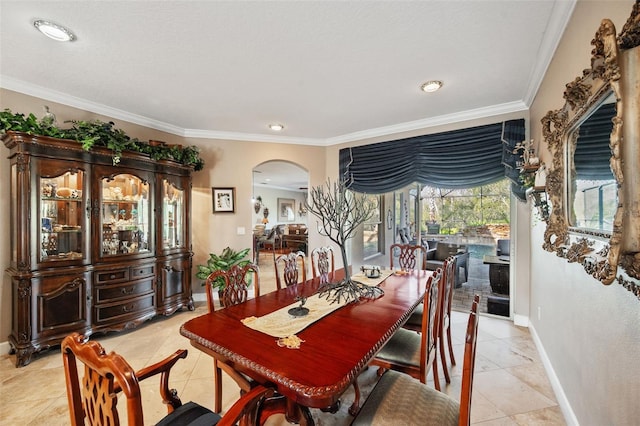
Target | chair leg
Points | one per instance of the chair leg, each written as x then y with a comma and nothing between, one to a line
436,379
453,359
443,359
217,387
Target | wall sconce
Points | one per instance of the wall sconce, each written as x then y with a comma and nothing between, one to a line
257,204
538,197
302,210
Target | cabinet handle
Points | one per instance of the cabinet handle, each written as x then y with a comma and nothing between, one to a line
127,290
141,271
128,308
112,276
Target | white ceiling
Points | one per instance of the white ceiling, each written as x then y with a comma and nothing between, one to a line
330,71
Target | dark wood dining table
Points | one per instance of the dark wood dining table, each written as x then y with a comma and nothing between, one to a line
334,351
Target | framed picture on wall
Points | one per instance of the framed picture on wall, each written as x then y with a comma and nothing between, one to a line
286,209
224,200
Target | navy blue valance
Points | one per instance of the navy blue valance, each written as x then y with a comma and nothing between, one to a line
592,155
456,159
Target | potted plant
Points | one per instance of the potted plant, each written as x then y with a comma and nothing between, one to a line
223,261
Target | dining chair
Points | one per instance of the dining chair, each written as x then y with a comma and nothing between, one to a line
428,406
414,353
408,256
291,266
93,397
444,314
236,288
323,264
234,292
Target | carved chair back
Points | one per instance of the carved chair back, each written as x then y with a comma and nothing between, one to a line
409,256
237,281
289,268
323,264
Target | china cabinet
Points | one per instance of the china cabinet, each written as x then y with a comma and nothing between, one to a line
94,246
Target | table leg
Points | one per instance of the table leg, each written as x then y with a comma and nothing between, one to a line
298,414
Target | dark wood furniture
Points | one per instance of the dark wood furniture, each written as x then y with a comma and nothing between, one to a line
235,291
429,406
290,269
323,264
408,256
498,273
94,246
335,349
414,353
444,315
94,397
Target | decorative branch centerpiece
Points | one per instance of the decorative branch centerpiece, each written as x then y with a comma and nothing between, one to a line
340,213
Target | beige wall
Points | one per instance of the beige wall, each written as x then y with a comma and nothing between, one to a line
590,332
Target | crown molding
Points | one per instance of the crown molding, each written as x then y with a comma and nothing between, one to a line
474,114
72,101
560,16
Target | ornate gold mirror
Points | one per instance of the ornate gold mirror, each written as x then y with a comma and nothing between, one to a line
593,182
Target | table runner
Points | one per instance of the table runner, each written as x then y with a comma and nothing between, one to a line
281,324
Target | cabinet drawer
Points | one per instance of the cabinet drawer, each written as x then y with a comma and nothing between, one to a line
114,292
124,309
113,276
142,271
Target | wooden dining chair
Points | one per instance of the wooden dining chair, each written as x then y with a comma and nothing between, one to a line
429,407
410,257
93,397
234,292
290,268
444,315
414,353
323,264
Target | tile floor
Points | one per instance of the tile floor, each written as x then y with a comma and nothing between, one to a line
510,387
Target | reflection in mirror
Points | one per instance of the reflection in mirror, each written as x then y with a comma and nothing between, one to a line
593,197
593,179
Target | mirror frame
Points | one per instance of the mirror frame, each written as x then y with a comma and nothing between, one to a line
615,65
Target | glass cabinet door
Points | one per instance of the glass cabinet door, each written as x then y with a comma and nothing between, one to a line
125,215
62,224
172,216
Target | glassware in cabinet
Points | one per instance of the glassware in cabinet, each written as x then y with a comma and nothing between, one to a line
125,215
61,217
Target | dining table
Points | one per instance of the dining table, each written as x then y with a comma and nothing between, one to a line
332,351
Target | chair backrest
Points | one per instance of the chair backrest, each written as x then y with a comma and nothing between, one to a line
93,398
323,264
408,256
449,278
237,281
289,268
104,376
429,330
469,363
502,247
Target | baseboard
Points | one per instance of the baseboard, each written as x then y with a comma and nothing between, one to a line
563,402
521,320
5,347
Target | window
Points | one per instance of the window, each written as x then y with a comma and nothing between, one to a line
456,210
372,229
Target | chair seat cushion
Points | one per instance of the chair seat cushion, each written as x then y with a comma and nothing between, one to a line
402,348
398,399
190,414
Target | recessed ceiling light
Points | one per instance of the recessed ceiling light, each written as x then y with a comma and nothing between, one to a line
54,31
431,86
276,127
